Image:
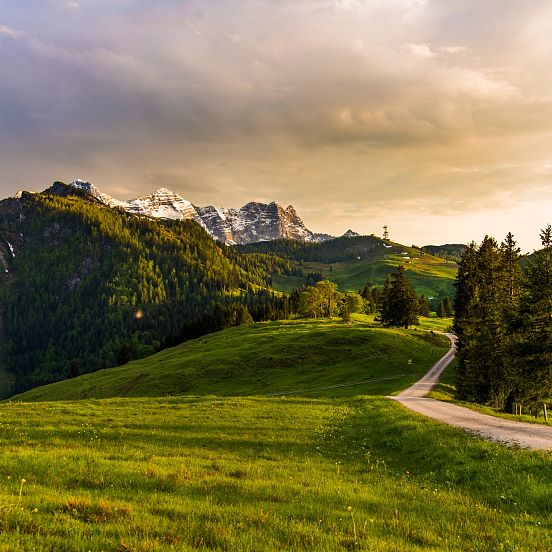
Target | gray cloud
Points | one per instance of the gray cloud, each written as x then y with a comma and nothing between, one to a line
408,105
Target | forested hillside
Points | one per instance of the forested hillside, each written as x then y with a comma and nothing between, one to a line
86,286
330,251
450,251
503,320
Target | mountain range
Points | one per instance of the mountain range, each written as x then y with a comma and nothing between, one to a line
251,223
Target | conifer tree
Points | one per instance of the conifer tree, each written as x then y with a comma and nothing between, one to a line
447,307
533,347
425,306
479,324
510,267
486,291
399,305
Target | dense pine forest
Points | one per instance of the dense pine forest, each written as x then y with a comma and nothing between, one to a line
503,320
330,251
88,287
449,251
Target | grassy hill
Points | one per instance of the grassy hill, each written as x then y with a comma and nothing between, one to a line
429,275
358,260
276,357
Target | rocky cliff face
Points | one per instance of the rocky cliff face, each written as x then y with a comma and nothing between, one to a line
254,222
251,223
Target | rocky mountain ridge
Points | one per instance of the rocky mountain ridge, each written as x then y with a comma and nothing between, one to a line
251,223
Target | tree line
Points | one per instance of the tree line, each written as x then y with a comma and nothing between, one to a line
396,303
503,321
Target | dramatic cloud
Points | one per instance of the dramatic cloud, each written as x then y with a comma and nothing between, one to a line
415,114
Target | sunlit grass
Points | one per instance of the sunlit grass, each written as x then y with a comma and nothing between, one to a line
326,470
429,275
260,474
269,358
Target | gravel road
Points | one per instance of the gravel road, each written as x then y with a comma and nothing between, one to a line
510,432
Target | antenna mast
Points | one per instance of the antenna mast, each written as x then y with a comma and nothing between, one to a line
385,233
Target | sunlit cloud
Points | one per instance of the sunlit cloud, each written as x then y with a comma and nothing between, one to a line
397,106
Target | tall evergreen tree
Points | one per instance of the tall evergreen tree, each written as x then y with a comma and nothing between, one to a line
487,292
399,305
510,267
425,306
533,347
479,325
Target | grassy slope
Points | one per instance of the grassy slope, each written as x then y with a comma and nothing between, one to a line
258,474
427,274
267,358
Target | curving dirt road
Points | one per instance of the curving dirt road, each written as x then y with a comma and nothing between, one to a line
510,432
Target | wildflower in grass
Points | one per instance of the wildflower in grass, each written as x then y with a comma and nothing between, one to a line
21,483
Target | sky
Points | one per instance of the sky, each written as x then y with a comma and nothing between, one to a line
433,117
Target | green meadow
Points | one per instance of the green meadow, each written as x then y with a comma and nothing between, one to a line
254,473
428,275
219,466
269,358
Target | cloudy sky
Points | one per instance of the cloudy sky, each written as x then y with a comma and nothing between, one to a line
431,116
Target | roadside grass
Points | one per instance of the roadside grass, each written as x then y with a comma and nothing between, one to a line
254,473
431,323
436,324
446,388
268,358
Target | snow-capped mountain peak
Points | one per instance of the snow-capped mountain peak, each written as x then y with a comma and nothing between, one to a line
94,192
251,223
